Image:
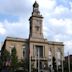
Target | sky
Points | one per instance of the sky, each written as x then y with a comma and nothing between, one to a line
57,22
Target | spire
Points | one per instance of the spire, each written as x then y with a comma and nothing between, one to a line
35,5
35,9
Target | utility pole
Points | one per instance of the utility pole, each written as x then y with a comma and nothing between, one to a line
68,62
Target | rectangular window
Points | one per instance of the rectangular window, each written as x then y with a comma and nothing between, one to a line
39,54
24,50
44,51
33,50
39,51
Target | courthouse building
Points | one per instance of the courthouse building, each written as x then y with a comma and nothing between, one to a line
36,47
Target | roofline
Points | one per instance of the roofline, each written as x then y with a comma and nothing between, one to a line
15,39
55,43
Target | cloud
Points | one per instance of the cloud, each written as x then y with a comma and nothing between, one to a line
64,24
60,9
15,7
70,4
17,29
23,7
68,26
0,46
2,29
56,22
68,47
49,4
46,7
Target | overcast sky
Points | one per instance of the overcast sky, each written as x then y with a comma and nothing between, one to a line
57,22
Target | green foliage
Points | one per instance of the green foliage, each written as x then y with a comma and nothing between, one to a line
14,60
66,68
71,65
23,65
5,57
26,65
0,63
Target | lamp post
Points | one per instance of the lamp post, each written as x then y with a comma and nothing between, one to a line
30,64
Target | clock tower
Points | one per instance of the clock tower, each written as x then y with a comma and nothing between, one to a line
36,22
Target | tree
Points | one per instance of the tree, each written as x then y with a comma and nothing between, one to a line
25,65
66,68
0,63
14,59
5,57
54,64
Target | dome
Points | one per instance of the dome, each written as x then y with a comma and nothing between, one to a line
35,5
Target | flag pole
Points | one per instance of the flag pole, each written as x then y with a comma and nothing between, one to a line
69,61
